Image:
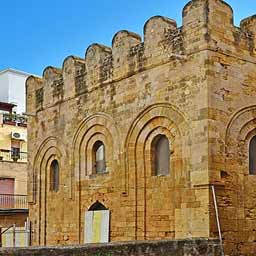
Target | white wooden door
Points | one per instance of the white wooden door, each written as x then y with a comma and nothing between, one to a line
96,227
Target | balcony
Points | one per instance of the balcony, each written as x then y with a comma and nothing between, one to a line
10,201
9,155
14,119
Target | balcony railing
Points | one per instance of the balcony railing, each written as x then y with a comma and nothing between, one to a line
10,201
9,155
14,119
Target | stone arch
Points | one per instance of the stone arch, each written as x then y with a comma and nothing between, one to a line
160,118
49,150
239,181
148,120
97,206
240,128
98,126
101,127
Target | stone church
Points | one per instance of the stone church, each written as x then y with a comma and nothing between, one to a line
128,142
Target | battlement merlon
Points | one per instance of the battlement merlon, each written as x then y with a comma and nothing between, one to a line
249,24
33,86
207,25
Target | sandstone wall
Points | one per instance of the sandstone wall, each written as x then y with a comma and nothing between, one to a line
188,83
124,96
231,112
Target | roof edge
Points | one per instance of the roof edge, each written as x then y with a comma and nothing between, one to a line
12,70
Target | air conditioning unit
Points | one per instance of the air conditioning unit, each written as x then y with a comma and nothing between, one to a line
18,136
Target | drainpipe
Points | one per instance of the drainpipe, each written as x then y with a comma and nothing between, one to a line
217,219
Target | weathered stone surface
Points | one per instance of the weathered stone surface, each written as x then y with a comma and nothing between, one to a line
159,248
196,85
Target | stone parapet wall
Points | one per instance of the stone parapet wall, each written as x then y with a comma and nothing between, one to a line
202,247
130,54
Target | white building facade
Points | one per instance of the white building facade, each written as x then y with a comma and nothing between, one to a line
12,88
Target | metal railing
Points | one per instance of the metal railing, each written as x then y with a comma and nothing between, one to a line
9,155
14,119
11,201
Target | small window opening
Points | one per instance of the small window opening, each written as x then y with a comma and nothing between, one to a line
161,156
223,174
99,157
252,156
54,176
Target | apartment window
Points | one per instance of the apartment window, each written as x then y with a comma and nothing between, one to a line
15,150
7,186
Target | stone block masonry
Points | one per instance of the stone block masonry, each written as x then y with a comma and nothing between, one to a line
200,247
193,89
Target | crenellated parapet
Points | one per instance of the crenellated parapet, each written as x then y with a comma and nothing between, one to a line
156,38
74,74
34,94
53,85
249,24
122,61
95,57
248,27
205,22
206,25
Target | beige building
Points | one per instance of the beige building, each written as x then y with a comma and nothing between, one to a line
13,148
13,167
126,143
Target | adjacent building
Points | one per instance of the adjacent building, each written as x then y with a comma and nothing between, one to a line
13,149
12,89
128,142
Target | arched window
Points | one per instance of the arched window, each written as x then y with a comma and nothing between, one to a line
252,156
54,176
99,159
161,156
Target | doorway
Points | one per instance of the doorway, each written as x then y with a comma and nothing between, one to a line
97,224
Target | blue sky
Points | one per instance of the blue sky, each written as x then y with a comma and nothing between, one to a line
40,33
